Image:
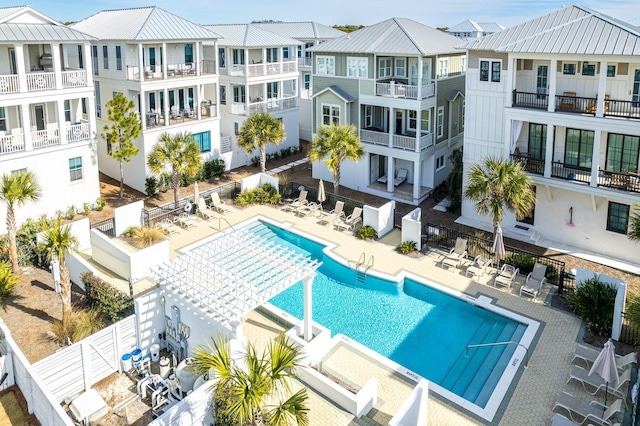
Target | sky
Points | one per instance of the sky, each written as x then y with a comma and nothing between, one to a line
434,13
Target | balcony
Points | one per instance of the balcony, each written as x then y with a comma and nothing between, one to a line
45,138
37,81
41,81
406,142
532,165
304,62
176,70
11,143
9,83
400,90
260,69
74,78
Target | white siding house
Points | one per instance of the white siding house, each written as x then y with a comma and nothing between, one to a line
561,94
47,111
472,29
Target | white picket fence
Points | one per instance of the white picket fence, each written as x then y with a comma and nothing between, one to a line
76,368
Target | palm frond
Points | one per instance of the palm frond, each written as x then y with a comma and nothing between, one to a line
292,411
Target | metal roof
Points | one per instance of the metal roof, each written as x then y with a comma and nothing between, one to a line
395,36
142,24
570,30
338,92
7,12
229,276
491,27
25,24
302,30
470,26
249,35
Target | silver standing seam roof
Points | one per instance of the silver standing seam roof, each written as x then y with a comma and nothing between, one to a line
395,36
469,26
46,30
229,276
302,30
142,24
249,35
570,30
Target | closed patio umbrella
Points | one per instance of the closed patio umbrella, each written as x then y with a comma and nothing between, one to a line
605,367
196,193
321,195
498,244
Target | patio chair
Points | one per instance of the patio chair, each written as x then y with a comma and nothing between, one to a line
560,420
333,215
218,205
169,227
298,202
456,254
589,356
592,411
187,221
479,267
402,176
350,222
206,212
383,179
175,113
506,276
596,382
534,281
568,101
307,209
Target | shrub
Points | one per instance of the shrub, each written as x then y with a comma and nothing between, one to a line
151,186
71,212
100,203
109,301
593,301
526,263
8,280
407,247
28,251
86,208
83,324
632,311
214,168
186,179
255,161
264,194
145,236
367,233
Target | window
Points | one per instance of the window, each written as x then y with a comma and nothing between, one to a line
537,140
579,148
357,67
272,54
622,153
84,105
440,163
325,65
223,95
118,58
368,116
203,140
94,59
75,168
568,69
285,54
3,120
618,218
272,90
463,64
105,57
413,119
188,53
239,94
425,120
484,70
67,110
401,67
495,71
443,68
80,58
299,51
588,69
18,172
384,67
236,128
463,106
440,122
238,56
330,115
611,70
221,57
98,105
307,81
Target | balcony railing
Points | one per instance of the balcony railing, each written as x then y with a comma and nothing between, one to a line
407,142
619,108
75,78
404,142
208,66
374,137
41,81
304,62
9,83
426,140
11,143
576,104
532,165
570,172
45,138
78,132
399,90
622,181
530,100
273,105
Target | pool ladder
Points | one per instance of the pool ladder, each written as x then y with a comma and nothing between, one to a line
361,268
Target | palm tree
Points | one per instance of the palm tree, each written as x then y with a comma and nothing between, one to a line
336,144
634,223
59,242
16,190
254,395
497,185
181,153
259,130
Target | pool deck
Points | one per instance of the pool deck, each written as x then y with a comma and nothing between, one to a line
528,402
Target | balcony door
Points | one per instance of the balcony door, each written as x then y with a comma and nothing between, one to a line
636,88
13,65
413,71
38,117
542,79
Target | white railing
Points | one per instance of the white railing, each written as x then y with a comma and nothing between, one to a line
256,69
426,141
76,78
41,81
180,70
404,142
371,136
238,108
289,66
208,66
274,68
273,105
78,132
304,62
45,138
428,90
407,91
225,144
9,84
11,143
237,70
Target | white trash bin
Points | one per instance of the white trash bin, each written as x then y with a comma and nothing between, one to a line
154,350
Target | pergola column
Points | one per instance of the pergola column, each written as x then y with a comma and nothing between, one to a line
308,309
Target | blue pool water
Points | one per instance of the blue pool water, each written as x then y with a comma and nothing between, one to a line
413,324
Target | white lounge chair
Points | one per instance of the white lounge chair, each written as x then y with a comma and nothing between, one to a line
534,281
455,256
586,411
307,209
217,204
506,276
298,202
589,356
401,177
206,212
335,214
350,222
187,221
169,227
479,267
592,384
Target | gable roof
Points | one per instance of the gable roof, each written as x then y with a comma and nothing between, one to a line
470,26
336,91
249,35
395,36
302,30
570,30
25,24
142,24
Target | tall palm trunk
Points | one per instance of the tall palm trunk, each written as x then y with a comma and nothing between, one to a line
336,179
175,182
121,179
65,292
263,159
13,246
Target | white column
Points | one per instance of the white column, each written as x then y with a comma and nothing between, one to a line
245,52
392,125
198,45
140,63
511,77
57,64
62,125
548,154
165,101
595,158
91,114
26,127
143,110
418,129
419,77
216,57
308,308
416,179
164,60
390,173
88,68
22,72
602,89
217,88
508,132
197,100
553,71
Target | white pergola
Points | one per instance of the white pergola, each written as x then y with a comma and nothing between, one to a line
229,276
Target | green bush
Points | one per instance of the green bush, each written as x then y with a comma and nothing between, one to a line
8,280
632,311
526,263
71,212
367,233
100,203
264,194
86,208
213,168
82,325
151,186
109,301
593,301
29,253
186,179
408,247
255,161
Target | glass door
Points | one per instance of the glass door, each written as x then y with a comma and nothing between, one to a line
542,80
413,71
636,88
38,116
152,59
13,65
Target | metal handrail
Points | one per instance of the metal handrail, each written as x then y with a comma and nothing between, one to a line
369,263
526,358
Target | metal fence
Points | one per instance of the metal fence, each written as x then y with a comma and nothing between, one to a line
446,238
107,227
628,334
292,190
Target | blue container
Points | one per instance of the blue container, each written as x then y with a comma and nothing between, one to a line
126,362
136,356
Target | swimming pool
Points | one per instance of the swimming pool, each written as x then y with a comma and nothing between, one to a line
408,321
